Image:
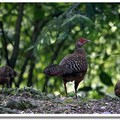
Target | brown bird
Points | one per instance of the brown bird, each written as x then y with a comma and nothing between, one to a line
6,73
72,67
117,89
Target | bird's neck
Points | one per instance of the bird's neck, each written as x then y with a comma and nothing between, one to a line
80,50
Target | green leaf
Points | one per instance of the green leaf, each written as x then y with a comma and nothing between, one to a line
105,78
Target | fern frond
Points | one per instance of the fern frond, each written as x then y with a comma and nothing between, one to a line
59,28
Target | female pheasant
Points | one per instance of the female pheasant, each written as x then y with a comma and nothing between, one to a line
72,67
6,73
117,89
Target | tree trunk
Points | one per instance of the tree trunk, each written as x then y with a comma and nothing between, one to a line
4,44
17,36
38,25
14,56
30,75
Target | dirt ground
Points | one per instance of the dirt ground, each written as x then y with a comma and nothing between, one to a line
30,101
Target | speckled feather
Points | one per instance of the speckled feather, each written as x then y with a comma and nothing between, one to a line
74,63
70,64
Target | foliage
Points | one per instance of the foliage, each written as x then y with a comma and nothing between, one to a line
38,34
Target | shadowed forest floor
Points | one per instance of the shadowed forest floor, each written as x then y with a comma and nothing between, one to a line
30,101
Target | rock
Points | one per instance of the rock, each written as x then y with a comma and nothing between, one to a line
106,112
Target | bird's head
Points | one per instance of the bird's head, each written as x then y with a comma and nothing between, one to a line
81,42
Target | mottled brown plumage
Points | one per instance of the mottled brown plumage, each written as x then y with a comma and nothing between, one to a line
6,73
117,89
72,67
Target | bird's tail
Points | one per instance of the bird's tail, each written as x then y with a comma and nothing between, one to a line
53,70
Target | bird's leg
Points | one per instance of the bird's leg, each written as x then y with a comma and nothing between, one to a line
2,88
75,87
8,82
65,86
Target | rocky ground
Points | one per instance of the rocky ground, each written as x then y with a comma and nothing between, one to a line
30,101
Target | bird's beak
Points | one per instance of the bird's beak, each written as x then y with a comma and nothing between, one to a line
88,41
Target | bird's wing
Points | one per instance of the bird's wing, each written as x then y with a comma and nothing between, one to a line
7,71
2,71
74,63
